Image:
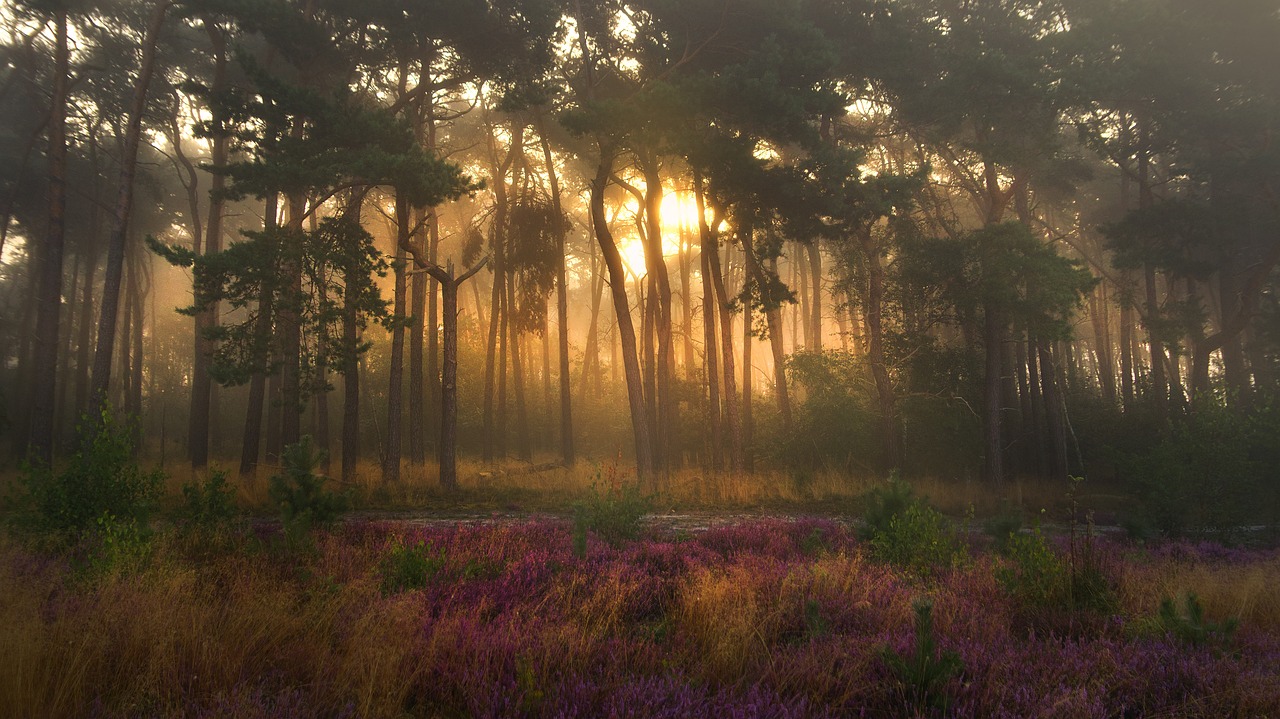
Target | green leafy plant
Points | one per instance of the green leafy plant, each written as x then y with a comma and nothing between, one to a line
208,504
612,511
923,672
102,480
903,530
1041,579
885,503
300,493
405,568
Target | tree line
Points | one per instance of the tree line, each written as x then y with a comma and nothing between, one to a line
809,232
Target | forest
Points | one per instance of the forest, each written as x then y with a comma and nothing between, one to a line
640,357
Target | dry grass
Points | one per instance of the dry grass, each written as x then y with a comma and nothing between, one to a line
1243,591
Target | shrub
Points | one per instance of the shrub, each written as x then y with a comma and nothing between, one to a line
101,487
1040,579
906,532
301,495
208,504
924,672
408,568
613,513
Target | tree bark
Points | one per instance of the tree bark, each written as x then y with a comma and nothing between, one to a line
567,452
710,248
114,274
49,292
622,312
395,387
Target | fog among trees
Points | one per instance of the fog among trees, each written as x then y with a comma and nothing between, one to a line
968,240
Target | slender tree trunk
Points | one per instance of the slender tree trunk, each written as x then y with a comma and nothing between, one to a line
686,298
249,446
395,388
773,316
815,288
748,420
890,434
661,287
351,364
49,288
202,389
523,449
622,311
993,337
1126,346
710,351
114,273
449,390
418,328
567,452
1054,412
800,278
710,248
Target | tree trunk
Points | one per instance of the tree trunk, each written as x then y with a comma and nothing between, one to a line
748,421
249,445
661,287
419,326
710,351
622,312
710,248
773,316
815,289
350,365
890,434
395,387
993,337
114,274
49,292
1054,413
567,452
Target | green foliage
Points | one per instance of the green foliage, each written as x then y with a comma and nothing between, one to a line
1190,627
1041,579
408,568
613,513
1003,527
210,503
903,530
923,673
837,425
1035,574
1211,472
114,545
100,490
300,493
883,504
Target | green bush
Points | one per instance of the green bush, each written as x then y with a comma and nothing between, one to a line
102,486
1041,579
924,672
906,532
408,568
208,504
612,513
300,493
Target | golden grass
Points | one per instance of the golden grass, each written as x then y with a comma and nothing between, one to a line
1243,591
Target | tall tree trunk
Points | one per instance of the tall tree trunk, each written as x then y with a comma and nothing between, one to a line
567,452
449,375
622,311
1054,412
993,338
1098,309
114,274
419,326
686,298
710,351
85,341
395,387
49,289
661,287
523,449
249,446
351,363
202,389
748,420
815,289
1126,345
710,248
773,316
890,434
